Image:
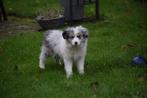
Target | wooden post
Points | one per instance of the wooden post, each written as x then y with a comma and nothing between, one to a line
97,13
78,3
0,16
3,10
90,1
71,11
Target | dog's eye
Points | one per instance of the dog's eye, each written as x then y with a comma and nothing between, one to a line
71,37
85,36
79,36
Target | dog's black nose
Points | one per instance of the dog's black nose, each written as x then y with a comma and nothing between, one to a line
76,43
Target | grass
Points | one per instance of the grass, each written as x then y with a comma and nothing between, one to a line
30,8
112,45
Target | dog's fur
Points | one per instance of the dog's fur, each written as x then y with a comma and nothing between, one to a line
69,45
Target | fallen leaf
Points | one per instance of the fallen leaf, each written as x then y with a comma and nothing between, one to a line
141,79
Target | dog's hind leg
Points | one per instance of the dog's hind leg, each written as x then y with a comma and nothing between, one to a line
58,60
43,57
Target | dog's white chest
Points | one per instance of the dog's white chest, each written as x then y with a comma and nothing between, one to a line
76,54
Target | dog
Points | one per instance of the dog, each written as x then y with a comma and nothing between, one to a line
69,46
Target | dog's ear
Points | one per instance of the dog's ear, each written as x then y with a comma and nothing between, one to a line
84,31
65,34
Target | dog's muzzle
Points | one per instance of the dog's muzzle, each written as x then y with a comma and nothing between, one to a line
76,43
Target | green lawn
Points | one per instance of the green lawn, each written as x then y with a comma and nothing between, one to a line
108,73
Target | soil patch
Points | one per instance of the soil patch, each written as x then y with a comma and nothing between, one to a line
18,25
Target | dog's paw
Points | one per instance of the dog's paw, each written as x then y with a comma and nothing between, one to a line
41,66
69,75
81,72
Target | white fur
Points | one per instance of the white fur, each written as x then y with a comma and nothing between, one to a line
68,52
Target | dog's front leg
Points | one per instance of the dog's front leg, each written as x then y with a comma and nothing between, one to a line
68,67
80,65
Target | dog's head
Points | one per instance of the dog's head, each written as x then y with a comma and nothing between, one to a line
75,35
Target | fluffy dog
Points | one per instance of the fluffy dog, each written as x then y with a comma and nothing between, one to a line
69,45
